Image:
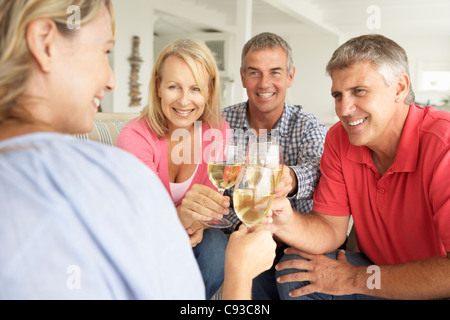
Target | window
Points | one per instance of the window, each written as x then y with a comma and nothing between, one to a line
436,80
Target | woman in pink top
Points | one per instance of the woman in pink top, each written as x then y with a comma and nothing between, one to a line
170,137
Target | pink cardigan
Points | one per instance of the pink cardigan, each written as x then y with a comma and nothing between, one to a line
137,138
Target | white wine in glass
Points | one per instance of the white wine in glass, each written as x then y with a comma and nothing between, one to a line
277,174
223,175
224,164
265,150
253,194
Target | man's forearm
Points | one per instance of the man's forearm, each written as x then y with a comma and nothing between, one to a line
423,279
312,233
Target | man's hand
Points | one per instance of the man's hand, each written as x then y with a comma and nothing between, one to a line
329,276
279,215
288,183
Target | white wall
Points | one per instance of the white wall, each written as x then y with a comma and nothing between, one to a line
311,52
423,51
312,48
132,20
312,86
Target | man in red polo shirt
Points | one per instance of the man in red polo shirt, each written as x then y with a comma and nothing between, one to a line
387,164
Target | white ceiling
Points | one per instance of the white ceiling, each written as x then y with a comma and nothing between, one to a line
344,17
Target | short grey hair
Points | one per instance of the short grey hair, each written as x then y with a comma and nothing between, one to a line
388,58
267,40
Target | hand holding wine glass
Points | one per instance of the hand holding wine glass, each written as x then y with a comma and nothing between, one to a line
224,164
250,251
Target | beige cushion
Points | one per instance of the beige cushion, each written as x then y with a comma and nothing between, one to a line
107,127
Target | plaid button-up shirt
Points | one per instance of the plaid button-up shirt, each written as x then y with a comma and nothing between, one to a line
302,138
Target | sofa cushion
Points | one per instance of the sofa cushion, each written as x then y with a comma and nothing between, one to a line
107,127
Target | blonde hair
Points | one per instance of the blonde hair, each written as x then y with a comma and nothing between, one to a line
194,53
15,57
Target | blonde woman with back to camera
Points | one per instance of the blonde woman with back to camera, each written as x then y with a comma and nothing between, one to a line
75,222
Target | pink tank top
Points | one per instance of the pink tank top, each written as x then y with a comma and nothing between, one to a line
178,190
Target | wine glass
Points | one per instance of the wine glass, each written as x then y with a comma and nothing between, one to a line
265,150
253,193
224,163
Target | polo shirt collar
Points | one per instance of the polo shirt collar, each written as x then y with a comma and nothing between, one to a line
408,149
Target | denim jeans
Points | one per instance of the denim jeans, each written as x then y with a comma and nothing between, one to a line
355,258
210,255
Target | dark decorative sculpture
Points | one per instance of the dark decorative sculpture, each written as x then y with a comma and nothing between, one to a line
135,61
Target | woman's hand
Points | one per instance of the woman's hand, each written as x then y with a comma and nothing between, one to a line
202,203
250,251
195,232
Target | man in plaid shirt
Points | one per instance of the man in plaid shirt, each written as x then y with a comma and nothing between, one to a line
267,71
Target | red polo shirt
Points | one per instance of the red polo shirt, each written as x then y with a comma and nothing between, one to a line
403,215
